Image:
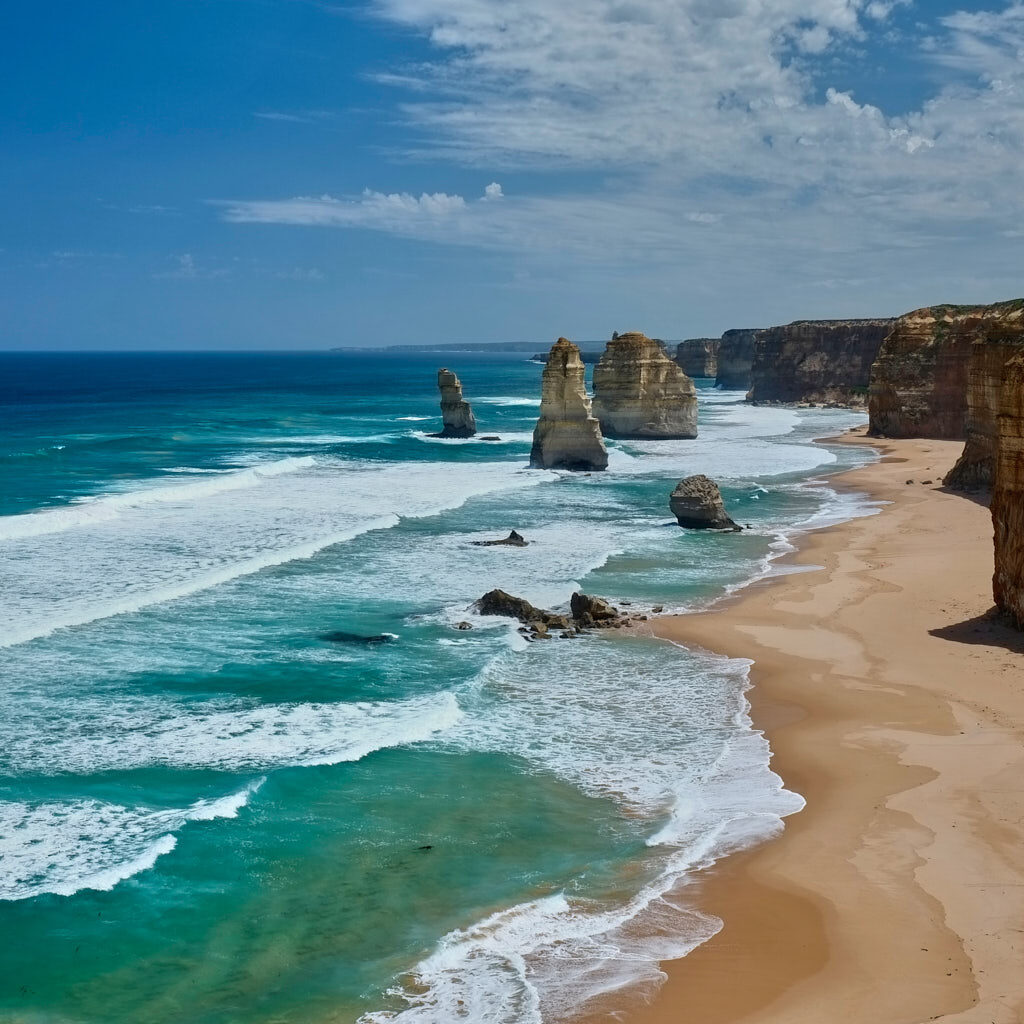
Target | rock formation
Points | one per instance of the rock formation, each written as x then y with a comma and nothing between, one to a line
1001,338
919,380
639,392
567,435
1008,495
827,362
513,540
698,357
456,415
587,613
735,359
697,504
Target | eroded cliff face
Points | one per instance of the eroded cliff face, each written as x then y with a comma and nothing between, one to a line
1001,340
736,358
567,435
919,383
456,415
1008,494
821,361
639,392
698,357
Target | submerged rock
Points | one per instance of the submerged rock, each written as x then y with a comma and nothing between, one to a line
697,504
639,392
567,435
456,415
341,637
514,540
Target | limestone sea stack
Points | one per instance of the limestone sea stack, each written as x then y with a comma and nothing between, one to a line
698,357
827,362
1008,495
697,505
639,392
919,380
456,415
736,358
567,435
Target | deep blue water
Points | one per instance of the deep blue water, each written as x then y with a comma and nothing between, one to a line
209,812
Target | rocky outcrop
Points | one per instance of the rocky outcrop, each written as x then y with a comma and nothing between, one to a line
456,415
736,358
567,435
919,383
498,602
991,351
827,362
698,357
639,392
697,504
587,612
1008,495
513,540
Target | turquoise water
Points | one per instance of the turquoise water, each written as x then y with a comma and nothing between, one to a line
209,812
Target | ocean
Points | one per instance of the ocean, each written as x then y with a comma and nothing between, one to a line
210,812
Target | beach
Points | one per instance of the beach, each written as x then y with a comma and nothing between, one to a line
895,705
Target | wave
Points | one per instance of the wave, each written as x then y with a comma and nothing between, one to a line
91,511
504,436
67,847
507,400
137,733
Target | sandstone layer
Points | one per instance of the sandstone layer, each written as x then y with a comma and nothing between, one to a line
698,357
919,383
456,415
827,362
736,358
639,392
1008,495
567,435
697,504
992,349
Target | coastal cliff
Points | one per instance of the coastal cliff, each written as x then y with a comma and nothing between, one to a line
1008,494
698,357
821,361
456,415
1000,340
639,392
736,358
919,380
567,435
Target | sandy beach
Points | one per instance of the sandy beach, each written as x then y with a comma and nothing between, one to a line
895,706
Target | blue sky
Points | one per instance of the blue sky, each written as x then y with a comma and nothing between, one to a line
304,174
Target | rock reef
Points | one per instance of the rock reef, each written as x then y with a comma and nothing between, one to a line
567,435
1008,494
919,380
456,415
639,392
586,612
827,362
736,358
697,504
698,357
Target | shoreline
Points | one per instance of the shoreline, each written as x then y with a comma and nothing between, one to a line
895,706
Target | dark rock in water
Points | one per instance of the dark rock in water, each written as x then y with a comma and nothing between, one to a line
428,847
497,602
490,437
596,608
341,637
587,613
464,625
697,504
514,540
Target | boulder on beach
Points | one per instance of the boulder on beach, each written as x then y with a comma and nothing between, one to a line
697,505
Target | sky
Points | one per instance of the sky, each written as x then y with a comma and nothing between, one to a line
303,174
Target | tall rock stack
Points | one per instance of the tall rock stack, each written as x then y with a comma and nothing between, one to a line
919,380
567,435
821,361
698,357
1008,495
736,358
639,392
1000,339
456,415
